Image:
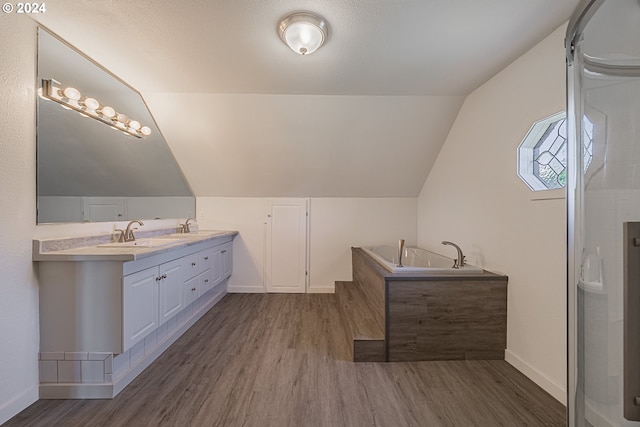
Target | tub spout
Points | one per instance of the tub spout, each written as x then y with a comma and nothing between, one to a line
400,251
460,261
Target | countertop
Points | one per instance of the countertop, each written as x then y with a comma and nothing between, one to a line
87,248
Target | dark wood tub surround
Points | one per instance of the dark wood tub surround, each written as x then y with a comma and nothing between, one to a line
426,317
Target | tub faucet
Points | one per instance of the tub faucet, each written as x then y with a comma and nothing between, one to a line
400,251
460,261
128,233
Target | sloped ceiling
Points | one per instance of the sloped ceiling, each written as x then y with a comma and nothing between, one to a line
364,116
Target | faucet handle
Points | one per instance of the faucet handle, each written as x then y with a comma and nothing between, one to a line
131,237
121,236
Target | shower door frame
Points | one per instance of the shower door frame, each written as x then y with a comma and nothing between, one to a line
579,19
576,233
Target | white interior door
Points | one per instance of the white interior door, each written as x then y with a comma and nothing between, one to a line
286,254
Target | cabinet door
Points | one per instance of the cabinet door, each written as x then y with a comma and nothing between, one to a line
140,301
227,260
216,265
191,290
171,289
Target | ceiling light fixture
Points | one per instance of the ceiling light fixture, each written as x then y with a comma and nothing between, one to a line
303,32
71,99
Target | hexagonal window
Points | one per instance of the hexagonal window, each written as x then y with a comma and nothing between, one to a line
542,154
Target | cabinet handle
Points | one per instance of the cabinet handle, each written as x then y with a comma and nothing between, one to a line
193,264
223,252
164,276
158,278
193,289
206,258
206,280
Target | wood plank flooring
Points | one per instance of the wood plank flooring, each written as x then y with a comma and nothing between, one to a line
282,360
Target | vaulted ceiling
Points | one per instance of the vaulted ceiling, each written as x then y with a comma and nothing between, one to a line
364,116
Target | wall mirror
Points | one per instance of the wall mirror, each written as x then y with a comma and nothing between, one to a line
88,171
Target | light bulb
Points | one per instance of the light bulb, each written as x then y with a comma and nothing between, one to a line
72,93
122,118
134,124
108,112
91,103
145,130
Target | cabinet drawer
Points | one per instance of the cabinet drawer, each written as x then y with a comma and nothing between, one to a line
197,263
191,290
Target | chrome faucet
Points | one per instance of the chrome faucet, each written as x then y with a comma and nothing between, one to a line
184,228
400,251
460,262
128,233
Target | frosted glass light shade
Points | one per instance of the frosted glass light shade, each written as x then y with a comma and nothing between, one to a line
303,32
108,112
72,93
91,103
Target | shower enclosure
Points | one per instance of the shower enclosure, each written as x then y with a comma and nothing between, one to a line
603,201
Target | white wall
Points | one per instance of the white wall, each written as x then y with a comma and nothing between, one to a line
271,145
19,334
473,197
336,224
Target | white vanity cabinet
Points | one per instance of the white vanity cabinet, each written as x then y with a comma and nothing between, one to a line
151,297
122,310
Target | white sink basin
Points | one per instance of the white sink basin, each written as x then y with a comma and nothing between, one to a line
199,233
141,243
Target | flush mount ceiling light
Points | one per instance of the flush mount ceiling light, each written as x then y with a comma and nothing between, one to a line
303,32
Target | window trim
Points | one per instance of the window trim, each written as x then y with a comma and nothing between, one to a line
525,164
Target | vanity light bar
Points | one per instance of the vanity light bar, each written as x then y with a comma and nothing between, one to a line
71,98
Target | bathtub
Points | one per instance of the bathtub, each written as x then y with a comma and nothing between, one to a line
416,260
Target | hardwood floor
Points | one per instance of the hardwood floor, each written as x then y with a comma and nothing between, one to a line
283,360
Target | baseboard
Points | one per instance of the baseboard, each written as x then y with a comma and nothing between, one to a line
16,405
246,289
76,391
322,290
559,393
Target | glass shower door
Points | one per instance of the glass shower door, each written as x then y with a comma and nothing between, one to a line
603,196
